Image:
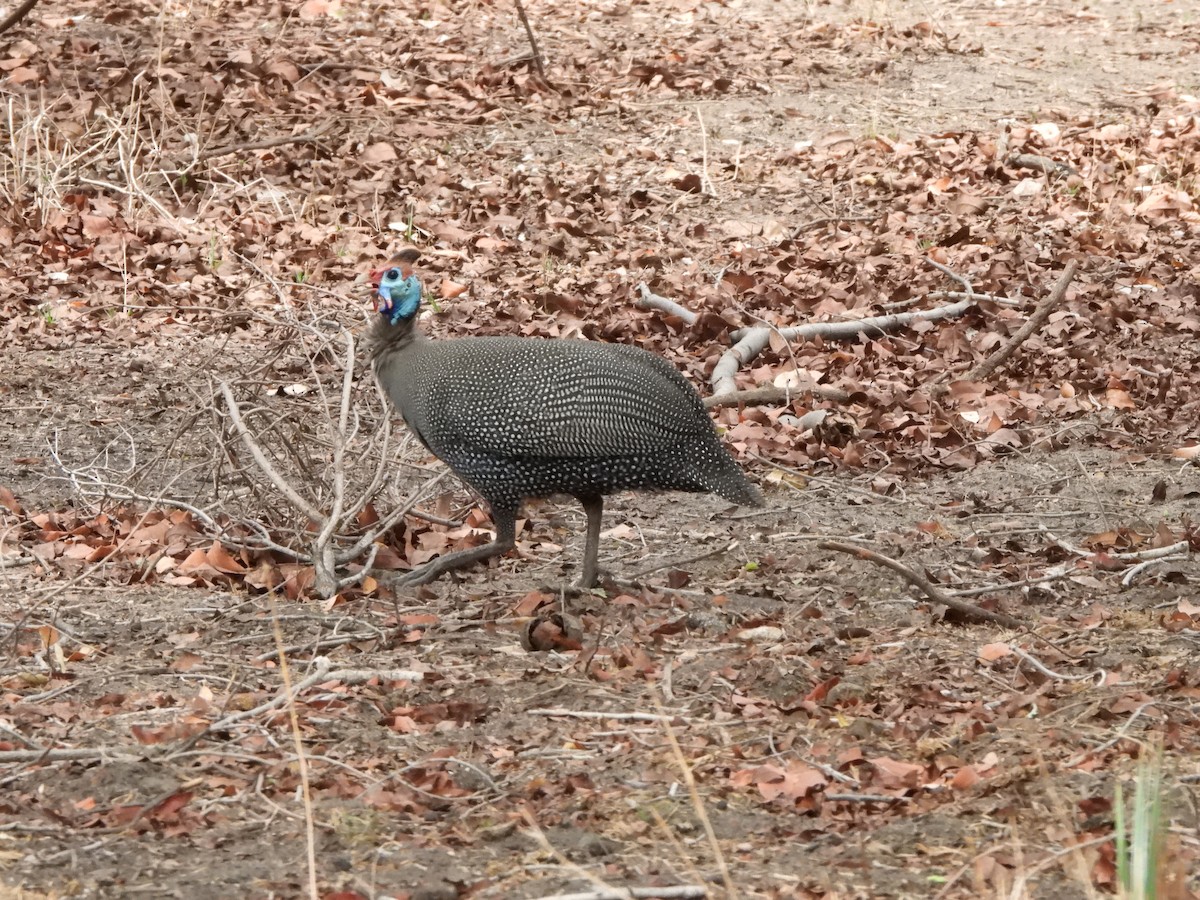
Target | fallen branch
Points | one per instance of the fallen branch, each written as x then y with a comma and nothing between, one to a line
750,342
1035,321
681,892
308,137
828,220
1132,573
649,300
871,326
932,591
17,15
1178,548
724,374
1099,676
768,393
1040,164
963,295
615,716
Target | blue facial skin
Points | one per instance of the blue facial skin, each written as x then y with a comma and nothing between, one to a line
401,296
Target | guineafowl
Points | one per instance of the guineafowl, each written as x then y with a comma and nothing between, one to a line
520,418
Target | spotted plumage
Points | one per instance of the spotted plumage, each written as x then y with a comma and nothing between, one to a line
517,418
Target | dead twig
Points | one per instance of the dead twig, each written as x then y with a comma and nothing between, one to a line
615,716
17,15
1040,314
828,220
680,892
768,393
932,591
308,137
281,484
537,54
322,673
332,528
1039,164
1099,676
678,563
689,780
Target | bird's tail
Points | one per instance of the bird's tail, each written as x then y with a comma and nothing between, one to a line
724,478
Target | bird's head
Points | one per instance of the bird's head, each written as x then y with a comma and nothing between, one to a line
398,288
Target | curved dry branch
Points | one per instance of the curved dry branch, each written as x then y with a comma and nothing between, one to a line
927,587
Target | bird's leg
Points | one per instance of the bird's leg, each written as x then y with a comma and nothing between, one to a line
593,506
506,536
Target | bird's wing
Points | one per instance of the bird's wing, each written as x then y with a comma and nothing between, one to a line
572,401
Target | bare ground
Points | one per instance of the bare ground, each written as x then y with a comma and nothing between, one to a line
847,737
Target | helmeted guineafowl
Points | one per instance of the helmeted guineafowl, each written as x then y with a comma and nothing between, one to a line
522,418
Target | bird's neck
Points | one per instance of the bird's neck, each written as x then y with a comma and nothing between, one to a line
386,336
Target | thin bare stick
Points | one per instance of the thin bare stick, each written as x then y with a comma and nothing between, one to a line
17,15
932,591
322,672
768,394
310,830
678,563
706,183
680,892
1099,676
323,547
307,137
277,480
689,779
385,524
1039,164
989,365
829,220
947,271
615,716
537,54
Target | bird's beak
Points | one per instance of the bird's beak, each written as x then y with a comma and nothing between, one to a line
377,276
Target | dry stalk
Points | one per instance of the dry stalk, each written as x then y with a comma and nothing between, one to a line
310,829
689,779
